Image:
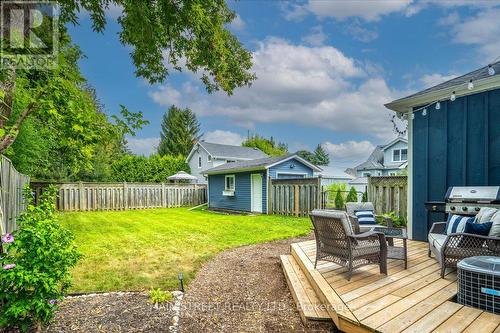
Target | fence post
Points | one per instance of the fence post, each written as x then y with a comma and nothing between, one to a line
80,196
125,195
163,195
296,200
319,203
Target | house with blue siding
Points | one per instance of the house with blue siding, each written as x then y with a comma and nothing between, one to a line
453,140
243,185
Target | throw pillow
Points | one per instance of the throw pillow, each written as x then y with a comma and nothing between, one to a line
456,223
365,217
495,228
485,214
478,228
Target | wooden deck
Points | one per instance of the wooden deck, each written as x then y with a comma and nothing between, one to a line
406,300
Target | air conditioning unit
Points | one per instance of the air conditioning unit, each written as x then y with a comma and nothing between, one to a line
479,283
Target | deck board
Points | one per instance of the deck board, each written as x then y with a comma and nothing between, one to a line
415,299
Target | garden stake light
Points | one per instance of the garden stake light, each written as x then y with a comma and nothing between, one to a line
181,284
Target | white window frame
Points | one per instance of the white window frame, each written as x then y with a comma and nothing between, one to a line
199,162
226,189
209,158
400,154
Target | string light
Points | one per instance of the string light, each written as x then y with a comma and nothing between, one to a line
424,112
438,105
470,85
453,97
412,116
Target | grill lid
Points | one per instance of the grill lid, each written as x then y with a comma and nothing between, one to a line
481,264
486,194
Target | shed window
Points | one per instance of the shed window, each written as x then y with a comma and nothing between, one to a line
229,183
399,155
199,161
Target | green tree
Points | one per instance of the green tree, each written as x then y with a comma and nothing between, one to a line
175,34
352,196
307,155
321,157
339,200
155,168
179,132
162,35
268,146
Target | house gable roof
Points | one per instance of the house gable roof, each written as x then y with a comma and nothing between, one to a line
393,142
217,150
376,159
258,164
482,82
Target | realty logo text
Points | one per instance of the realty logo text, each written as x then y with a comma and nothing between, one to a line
30,34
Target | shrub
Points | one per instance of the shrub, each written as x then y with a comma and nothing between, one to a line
397,221
365,197
35,266
157,296
352,196
154,168
339,200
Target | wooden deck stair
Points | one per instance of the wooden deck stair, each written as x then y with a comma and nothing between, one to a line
308,304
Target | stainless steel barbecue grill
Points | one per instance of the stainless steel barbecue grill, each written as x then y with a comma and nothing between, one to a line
468,200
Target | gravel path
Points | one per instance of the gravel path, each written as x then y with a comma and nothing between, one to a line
244,290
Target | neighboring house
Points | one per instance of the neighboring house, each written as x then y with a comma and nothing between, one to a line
331,175
455,143
243,185
206,155
388,160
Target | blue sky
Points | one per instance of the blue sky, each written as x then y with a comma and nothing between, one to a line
325,69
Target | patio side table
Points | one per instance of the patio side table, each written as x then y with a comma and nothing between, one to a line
395,252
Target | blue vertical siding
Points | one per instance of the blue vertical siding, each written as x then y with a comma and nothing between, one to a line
298,167
241,200
457,145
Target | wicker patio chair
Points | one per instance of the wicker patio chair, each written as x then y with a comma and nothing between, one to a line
336,242
450,249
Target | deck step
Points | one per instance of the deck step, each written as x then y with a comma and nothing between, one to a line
308,304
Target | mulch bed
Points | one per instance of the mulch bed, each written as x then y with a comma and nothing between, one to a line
244,290
113,312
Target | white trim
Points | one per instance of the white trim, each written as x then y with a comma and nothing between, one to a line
393,142
208,192
410,176
234,183
298,158
305,174
188,158
481,85
400,155
267,191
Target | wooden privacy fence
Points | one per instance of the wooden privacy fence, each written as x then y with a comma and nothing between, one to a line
294,196
12,203
389,194
121,196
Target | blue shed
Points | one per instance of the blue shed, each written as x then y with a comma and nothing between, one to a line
243,185
453,140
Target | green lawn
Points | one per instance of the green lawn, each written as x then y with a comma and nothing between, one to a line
139,249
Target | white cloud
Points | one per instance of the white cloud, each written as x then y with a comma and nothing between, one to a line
482,31
114,11
430,80
311,86
359,33
223,137
143,146
238,23
316,38
166,96
349,151
343,9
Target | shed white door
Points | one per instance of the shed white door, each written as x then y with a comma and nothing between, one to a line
256,192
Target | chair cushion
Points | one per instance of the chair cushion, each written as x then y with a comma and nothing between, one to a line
456,223
365,217
478,228
437,240
485,214
495,227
